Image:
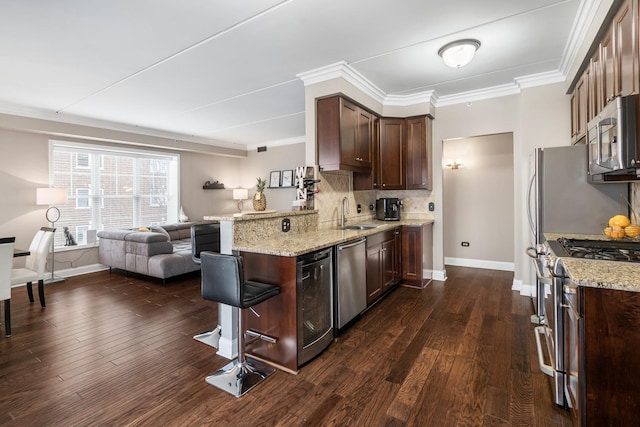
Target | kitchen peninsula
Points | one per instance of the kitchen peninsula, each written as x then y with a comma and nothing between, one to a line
272,256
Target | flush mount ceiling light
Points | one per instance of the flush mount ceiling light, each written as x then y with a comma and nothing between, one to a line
459,53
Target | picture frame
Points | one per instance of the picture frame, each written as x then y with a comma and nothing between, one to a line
274,180
287,178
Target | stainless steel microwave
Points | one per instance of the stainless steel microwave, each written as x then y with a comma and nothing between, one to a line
612,138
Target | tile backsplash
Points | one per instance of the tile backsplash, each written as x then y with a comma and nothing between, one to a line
336,185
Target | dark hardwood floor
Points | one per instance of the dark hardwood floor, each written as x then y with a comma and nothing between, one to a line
115,350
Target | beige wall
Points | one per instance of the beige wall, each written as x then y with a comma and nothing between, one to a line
537,117
478,202
286,157
24,166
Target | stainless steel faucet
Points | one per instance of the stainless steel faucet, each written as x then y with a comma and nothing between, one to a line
342,214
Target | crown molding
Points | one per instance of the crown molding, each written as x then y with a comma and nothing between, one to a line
345,71
587,10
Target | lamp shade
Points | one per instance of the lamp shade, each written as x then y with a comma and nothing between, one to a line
240,194
51,196
459,53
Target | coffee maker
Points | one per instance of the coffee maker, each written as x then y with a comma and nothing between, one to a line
388,209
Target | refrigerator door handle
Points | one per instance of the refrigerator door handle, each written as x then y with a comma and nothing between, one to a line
532,227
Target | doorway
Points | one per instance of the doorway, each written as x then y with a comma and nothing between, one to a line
478,201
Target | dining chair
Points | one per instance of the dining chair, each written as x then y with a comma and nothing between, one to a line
6,262
35,264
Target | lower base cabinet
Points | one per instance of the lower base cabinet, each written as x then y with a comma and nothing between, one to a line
383,263
417,255
601,358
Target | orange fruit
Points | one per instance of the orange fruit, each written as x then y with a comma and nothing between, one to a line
617,232
632,231
607,231
619,220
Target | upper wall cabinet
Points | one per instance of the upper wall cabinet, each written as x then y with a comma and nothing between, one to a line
344,134
402,156
612,69
419,171
389,170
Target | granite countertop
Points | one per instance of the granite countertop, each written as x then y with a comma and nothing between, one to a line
295,244
624,276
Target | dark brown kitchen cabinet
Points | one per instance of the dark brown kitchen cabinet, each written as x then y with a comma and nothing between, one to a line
383,270
416,254
391,155
344,132
579,110
419,170
607,61
612,70
602,365
595,85
625,40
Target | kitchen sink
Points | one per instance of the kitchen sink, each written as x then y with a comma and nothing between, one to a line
359,227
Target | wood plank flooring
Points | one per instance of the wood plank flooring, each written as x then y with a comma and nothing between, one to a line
115,350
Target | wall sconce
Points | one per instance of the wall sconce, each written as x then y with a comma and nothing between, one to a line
240,194
453,164
459,53
52,196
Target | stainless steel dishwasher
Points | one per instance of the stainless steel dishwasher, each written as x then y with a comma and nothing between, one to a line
350,281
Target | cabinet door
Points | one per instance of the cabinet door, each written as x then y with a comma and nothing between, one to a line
608,69
389,264
579,110
625,39
391,154
348,131
412,252
595,84
419,153
364,137
374,272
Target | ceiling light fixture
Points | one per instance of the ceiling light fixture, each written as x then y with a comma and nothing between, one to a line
459,53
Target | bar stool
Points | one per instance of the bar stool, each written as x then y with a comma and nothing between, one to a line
223,282
206,237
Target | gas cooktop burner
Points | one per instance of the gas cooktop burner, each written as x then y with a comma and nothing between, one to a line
598,249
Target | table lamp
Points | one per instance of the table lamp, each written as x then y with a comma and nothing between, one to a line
52,196
240,194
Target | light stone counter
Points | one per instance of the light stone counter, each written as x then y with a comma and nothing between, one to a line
624,276
304,237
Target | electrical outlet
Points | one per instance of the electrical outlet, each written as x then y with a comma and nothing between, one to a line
432,207
286,225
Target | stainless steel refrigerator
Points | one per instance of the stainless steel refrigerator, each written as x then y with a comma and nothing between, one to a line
561,200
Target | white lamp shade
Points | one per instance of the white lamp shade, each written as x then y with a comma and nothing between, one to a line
459,53
51,196
240,194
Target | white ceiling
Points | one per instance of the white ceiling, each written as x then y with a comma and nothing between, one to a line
226,71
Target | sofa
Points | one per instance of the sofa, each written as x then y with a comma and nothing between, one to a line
161,252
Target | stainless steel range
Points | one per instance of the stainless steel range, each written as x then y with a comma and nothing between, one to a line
553,329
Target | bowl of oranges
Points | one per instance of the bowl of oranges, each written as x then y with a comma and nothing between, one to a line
620,226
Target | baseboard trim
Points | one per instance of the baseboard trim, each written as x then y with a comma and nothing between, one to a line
479,263
439,275
77,271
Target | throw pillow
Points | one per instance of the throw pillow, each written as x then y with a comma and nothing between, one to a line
157,229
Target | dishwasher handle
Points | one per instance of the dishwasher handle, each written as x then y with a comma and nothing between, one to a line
351,244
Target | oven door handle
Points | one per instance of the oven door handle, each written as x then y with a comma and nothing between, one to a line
545,368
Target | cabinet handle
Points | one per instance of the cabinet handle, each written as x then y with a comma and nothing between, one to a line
384,185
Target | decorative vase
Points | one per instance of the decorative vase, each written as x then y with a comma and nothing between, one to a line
259,201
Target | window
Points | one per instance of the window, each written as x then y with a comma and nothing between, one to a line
110,188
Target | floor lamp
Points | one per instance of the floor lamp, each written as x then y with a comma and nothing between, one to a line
52,196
